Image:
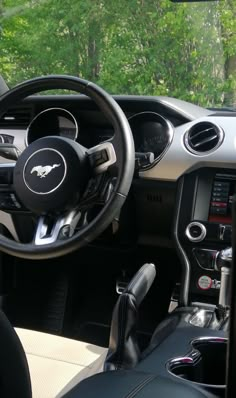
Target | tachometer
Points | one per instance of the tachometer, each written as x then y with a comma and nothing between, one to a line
52,121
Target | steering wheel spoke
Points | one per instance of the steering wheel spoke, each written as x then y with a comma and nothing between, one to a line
51,229
101,157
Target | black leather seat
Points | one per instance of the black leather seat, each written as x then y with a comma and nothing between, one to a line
124,352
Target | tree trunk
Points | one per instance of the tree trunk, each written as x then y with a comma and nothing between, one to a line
230,74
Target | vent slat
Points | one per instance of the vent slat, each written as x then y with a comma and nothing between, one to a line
202,132
205,141
16,118
203,137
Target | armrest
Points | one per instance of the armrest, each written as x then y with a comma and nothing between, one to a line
124,384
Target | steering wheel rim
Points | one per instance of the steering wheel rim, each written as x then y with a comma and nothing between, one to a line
124,143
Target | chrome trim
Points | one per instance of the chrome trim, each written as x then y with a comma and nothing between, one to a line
180,360
49,110
108,146
219,131
170,132
201,236
215,265
222,231
3,165
185,278
224,299
201,318
209,339
63,178
43,237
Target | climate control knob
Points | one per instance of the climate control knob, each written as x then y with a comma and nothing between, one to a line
195,231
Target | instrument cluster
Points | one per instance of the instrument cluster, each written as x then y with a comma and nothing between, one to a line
152,132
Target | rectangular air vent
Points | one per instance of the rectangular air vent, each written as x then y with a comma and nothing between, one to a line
154,197
16,118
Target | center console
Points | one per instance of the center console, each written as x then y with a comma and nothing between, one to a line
186,356
204,228
181,361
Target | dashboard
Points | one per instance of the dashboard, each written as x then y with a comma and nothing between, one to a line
184,179
152,132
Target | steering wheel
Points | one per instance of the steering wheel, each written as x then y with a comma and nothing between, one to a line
59,181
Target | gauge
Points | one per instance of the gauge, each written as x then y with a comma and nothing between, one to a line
53,121
152,135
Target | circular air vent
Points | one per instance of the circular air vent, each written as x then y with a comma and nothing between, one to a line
203,138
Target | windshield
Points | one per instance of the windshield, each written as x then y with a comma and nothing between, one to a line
144,47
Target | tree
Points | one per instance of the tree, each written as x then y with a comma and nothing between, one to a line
133,47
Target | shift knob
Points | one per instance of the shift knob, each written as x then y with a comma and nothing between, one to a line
223,258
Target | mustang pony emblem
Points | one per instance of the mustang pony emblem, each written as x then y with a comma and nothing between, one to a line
42,171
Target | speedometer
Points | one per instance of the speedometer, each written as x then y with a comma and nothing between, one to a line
52,121
152,135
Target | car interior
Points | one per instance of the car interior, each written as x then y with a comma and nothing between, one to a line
116,227
117,199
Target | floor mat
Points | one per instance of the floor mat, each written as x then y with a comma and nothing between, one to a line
54,316
38,302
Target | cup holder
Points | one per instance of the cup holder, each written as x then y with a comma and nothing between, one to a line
205,364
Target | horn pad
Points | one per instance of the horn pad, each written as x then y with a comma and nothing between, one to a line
50,175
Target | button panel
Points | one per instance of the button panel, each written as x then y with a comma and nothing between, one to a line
8,201
219,198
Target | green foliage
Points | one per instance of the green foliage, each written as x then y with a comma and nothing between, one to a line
148,47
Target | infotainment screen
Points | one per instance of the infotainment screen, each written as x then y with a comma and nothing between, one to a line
224,186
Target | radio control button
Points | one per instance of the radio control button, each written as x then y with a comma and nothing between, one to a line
218,210
219,204
221,184
195,231
223,190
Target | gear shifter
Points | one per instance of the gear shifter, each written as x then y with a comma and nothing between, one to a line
223,263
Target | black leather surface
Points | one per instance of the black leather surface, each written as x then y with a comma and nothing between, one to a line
172,338
130,384
123,350
14,371
141,282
